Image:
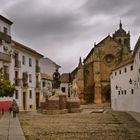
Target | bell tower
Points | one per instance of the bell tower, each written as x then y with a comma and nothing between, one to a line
122,37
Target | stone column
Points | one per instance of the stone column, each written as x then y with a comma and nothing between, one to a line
98,96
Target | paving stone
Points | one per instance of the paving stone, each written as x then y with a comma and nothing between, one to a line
80,126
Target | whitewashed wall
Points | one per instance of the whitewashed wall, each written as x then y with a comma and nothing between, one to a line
25,68
64,85
137,78
48,66
122,98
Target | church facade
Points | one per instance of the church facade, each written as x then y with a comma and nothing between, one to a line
98,64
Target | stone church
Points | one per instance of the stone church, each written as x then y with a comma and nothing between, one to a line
93,75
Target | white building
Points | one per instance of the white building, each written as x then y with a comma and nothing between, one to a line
65,85
5,45
125,83
21,66
25,74
48,66
5,53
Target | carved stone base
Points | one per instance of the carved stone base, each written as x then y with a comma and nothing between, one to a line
52,112
73,105
59,105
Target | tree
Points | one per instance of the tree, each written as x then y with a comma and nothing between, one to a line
6,89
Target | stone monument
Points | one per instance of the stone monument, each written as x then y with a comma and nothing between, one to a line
73,103
58,103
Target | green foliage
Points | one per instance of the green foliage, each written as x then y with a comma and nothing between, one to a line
6,89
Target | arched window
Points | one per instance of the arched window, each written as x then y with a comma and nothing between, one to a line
120,41
125,41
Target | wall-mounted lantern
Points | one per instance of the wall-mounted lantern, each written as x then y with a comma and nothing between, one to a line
117,87
132,81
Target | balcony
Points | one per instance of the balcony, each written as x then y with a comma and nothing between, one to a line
25,84
5,57
37,69
17,64
18,82
5,37
6,76
25,79
38,85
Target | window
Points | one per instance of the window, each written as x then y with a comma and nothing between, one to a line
122,92
120,41
132,91
125,92
131,67
119,71
30,78
63,89
30,94
125,70
16,94
31,106
5,30
43,84
30,62
119,92
125,41
23,60
115,73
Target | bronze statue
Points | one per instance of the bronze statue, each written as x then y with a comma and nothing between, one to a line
56,83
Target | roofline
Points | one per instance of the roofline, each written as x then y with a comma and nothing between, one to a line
96,46
27,48
129,62
6,20
136,46
53,62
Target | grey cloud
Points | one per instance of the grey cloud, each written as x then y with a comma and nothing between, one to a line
108,6
64,34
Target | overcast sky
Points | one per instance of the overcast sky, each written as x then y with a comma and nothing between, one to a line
64,30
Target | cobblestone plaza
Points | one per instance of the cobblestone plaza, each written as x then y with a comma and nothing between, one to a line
86,125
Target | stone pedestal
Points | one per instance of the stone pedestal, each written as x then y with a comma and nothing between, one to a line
52,104
43,105
62,101
59,104
73,105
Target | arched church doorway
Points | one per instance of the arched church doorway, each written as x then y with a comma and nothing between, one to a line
106,94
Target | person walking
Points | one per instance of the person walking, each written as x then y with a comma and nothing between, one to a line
10,110
14,108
